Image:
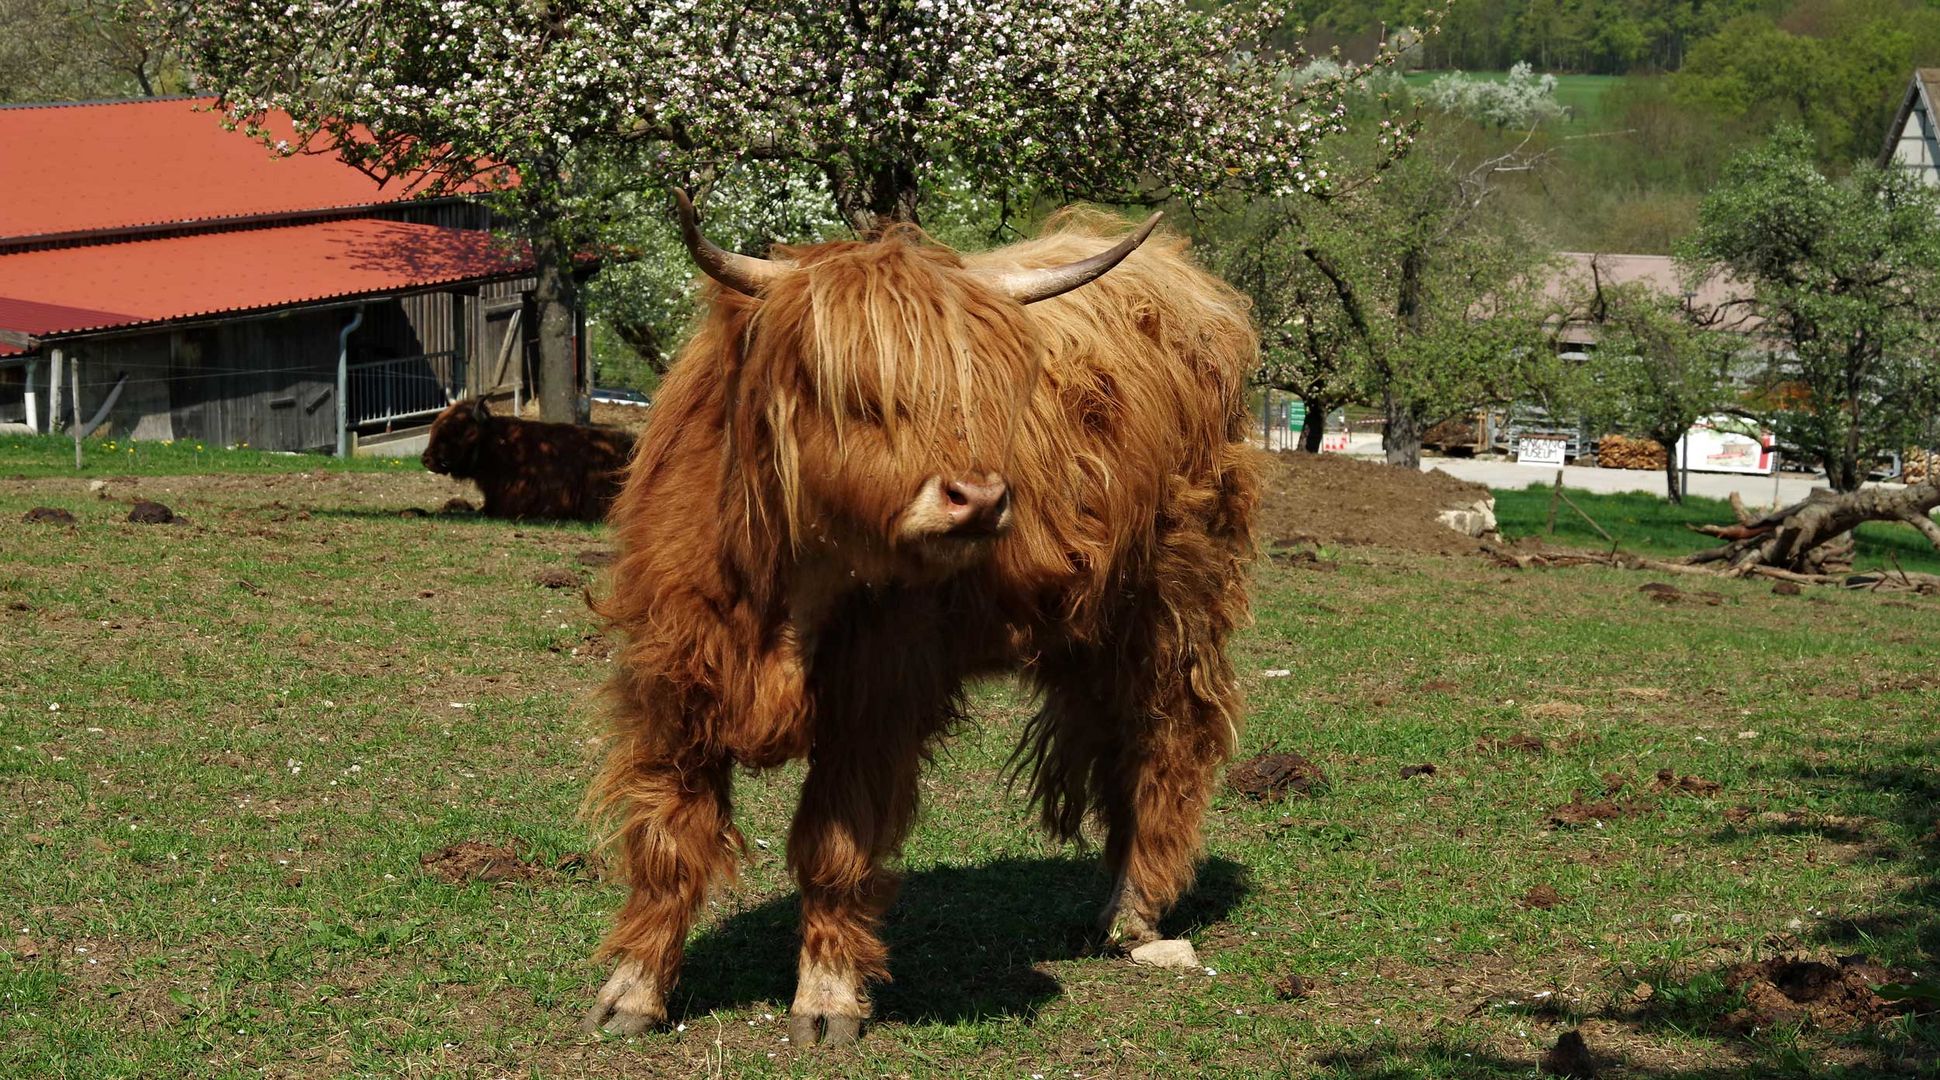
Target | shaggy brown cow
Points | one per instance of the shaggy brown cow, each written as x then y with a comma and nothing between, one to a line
527,469
893,476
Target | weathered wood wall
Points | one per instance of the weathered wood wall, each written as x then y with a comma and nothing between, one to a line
270,382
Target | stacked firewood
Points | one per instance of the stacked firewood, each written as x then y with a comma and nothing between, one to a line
1622,452
1457,434
1917,465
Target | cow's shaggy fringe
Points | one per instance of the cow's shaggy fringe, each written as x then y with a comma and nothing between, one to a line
768,614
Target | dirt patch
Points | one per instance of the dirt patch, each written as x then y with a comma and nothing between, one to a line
1292,551
1541,898
594,557
47,515
1330,499
1269,777
1567,710
1786,588
631,417
1291,987
475,860
1836,996
1577,812
556,578
1669,782
1408,772
1661,593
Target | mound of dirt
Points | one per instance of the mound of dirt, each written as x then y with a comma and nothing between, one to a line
1837,996
1330,499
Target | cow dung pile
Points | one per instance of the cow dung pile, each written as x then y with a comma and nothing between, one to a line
1332,499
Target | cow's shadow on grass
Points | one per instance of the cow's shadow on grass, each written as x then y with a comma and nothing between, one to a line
964,942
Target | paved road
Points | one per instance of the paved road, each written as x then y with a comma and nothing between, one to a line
1503,473
1755,490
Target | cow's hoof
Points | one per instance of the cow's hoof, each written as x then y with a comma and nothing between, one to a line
812,1029
1127,930
628,1004
830,1006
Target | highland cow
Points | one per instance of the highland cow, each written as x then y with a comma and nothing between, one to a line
527,469
892,476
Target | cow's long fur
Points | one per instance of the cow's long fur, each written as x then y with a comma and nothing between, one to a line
766,618
527,468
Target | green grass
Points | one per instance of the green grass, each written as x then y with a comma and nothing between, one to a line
1583,95
53,455
1647,524
210,861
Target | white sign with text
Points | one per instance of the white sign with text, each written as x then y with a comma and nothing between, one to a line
1539,451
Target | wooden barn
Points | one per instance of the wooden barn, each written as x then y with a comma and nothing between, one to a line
1913,139
162,278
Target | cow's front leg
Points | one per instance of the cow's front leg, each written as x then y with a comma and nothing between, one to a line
676,835
856,809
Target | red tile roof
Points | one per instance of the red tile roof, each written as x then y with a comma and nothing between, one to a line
79,168
65,290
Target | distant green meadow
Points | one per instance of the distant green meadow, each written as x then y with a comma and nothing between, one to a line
1582,95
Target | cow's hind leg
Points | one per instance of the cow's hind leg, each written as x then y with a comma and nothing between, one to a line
675,836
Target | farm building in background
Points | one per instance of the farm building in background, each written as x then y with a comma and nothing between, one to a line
1913,141
178,281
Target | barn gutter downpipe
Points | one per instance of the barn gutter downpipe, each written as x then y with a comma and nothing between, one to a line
343,382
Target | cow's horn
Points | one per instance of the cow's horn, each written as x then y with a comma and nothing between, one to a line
1030,286
742,273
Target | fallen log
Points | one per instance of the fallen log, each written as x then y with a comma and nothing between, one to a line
1796,538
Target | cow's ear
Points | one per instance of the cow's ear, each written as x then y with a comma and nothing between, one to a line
480,410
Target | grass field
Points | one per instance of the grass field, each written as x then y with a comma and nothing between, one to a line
1645,524
23,456
226,746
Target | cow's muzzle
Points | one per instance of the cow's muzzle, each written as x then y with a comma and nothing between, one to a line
977,506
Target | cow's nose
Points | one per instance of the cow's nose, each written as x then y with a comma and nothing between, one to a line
978,505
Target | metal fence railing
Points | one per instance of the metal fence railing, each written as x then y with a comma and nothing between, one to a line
404,388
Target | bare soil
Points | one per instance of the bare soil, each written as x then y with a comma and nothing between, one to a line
475,860
1669,782
1330,499
1577,812
1835,996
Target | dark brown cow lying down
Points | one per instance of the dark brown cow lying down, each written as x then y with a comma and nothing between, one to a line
897,468
527,469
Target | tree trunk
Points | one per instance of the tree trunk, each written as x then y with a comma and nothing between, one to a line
1674,490
1314,427
1401,436
644,339
1786,538
873,199
554,297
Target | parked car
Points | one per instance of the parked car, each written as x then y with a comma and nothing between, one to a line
619,395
